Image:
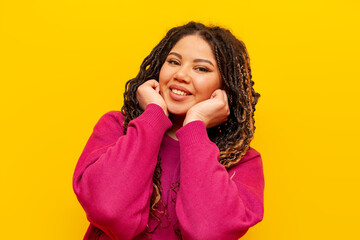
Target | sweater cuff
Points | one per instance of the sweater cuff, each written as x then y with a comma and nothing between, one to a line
154,116
193,133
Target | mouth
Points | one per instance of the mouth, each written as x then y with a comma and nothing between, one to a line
179,90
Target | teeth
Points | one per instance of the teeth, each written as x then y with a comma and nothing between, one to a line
178,92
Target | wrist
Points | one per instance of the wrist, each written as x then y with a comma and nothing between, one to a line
162,107
191,118
166,112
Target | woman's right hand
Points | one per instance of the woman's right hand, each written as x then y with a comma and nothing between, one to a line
149,92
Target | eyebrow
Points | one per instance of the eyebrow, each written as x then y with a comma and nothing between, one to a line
196,60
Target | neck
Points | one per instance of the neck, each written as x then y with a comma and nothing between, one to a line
177,122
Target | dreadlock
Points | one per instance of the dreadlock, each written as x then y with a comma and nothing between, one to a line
232,137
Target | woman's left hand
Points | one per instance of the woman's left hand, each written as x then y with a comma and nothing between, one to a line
212,112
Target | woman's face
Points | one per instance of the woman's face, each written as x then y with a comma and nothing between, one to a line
189,75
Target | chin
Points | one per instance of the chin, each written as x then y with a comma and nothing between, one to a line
177,112
177,108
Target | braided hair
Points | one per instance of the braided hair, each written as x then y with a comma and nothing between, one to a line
232,137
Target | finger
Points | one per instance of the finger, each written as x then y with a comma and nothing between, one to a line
215,93
225,96
227,104
153,83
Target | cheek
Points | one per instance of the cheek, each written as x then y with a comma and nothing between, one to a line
163,79
207,86
164,75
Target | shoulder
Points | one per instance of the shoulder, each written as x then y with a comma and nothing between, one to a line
251,155
249,168
110,122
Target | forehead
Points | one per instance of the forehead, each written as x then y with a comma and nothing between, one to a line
193,46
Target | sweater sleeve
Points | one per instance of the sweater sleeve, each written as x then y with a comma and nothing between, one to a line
113,176
214,203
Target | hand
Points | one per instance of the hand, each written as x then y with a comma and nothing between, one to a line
149,92
212,112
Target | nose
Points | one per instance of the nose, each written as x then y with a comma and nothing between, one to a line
182,74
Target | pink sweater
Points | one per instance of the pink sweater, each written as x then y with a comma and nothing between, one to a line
113,181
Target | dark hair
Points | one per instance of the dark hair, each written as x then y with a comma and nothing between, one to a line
232,137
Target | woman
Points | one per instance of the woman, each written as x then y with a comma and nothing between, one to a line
176,162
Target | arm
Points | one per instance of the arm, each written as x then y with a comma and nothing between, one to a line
213,203
113,177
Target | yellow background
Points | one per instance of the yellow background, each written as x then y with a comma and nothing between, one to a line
63,64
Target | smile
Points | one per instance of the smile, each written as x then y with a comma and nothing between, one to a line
179,92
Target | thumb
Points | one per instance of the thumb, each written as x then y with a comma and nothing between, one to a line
216,93
225,96
152,83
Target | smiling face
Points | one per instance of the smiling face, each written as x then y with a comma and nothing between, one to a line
189,74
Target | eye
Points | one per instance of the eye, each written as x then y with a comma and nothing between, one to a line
202,69
173,62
